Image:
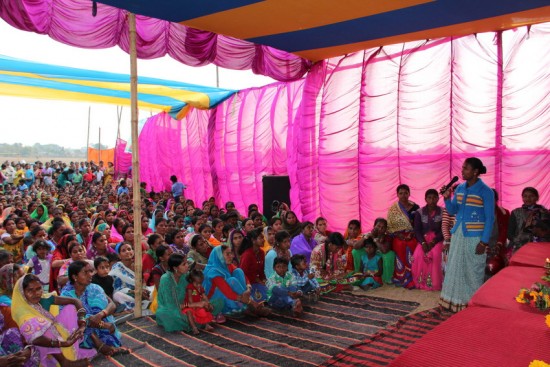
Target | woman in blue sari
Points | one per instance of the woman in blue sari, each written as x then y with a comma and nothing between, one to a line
101,332
225,283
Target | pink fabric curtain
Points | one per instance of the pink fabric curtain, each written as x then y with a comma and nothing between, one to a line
123,160
155,38
360,125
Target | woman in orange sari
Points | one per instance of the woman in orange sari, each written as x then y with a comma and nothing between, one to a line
400,219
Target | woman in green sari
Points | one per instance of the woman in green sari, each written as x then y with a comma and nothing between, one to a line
171,296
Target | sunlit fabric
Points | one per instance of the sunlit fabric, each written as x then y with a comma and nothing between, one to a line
319,29
29,79
71,22
97,155
362,124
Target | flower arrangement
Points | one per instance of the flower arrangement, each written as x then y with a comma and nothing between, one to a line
537,363
537,296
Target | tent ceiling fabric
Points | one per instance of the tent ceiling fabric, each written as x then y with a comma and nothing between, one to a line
320,29
71,22
29,79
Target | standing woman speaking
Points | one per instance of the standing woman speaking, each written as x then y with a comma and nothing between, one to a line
474,206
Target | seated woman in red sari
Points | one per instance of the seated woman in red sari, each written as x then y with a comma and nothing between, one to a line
400,217
253,262
426,268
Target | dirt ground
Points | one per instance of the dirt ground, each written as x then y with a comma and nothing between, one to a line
426,299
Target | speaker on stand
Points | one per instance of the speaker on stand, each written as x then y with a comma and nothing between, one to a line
275,189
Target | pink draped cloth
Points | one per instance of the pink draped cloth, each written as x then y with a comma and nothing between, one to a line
361,124
71,22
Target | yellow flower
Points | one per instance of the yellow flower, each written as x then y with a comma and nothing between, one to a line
534,295
537,363
519,299
547,319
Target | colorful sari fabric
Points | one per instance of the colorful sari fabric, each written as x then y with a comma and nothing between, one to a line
426,268
404,243
44,217
34,321
170,298
232,278
124,285
11,341
331,272
465,272
94,301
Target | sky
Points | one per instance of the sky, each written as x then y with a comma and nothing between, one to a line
30,121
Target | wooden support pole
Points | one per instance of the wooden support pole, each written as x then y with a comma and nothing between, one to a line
135,163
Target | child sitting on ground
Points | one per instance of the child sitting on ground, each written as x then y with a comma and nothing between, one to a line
40,263
305,281
102,277
372,266
282,292
197,307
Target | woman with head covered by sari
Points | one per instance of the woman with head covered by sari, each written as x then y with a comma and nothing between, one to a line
55,338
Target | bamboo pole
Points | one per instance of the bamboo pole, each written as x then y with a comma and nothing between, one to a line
88,136
135,163
99,157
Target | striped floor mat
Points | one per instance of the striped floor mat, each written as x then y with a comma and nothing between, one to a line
327,328
386,345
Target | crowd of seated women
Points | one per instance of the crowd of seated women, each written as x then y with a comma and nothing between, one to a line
67,261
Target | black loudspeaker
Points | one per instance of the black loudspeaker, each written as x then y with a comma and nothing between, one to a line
276,189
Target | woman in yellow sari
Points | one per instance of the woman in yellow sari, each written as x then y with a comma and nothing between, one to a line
109,172
55,338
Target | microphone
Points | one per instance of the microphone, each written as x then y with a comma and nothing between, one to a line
446,187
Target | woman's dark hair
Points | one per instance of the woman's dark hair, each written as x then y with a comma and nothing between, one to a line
336,239
226,229
431,192
28,279
274,219
174,261
204,226
215,222
171,236
19,219
210,211
318,220
370,242
124,243
71,247
195,240
99,260
159,221
82,222
476,163
296,260
66,239
255,214
496,194
403,186
96,236
248,240
125,229
229,202
279,260
532,190
281,236
56,224
35,230
380,219
303,225
75,268
118,221
194,274
113,257
152,239
355,222
161,250
40,244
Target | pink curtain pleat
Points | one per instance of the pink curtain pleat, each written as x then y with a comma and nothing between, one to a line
71,22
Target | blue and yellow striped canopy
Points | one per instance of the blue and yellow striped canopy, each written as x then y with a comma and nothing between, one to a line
319,29
29,79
